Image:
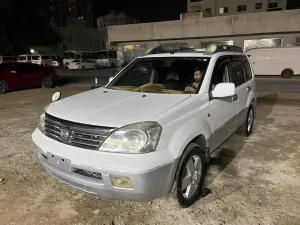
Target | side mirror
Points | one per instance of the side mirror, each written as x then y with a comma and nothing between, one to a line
56,96
224,90
110,79
116,72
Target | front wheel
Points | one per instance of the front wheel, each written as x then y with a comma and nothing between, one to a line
3,87
47,82
190,175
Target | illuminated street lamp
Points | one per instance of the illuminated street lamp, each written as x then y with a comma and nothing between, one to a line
32,51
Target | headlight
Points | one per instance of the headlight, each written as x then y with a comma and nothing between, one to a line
135,138
41,125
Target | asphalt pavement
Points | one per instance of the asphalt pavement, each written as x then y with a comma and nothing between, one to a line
275,84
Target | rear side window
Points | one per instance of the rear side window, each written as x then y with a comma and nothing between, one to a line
4,67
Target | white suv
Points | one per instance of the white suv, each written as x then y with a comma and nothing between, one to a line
154,125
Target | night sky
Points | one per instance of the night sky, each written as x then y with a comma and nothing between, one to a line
144,10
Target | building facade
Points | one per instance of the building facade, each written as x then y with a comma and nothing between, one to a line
266,29
63,10
233,7
115,18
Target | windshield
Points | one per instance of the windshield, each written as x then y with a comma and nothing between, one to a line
69,55
22,58
162,75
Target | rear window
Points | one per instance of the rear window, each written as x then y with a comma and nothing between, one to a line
22,58
35,57
45,57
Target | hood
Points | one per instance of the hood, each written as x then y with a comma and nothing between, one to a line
113,108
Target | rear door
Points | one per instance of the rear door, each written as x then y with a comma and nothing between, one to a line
241,76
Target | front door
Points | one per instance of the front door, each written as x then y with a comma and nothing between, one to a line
223,110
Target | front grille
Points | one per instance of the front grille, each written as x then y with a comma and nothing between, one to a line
88,173
76,134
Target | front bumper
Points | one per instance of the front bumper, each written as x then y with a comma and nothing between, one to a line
147,185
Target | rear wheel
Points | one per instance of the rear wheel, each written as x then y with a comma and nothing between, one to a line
83,68
246,128
47,82
190,175
287,73
3,87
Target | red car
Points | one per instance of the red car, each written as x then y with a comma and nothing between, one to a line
25,75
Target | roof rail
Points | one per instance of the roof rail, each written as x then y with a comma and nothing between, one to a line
215,48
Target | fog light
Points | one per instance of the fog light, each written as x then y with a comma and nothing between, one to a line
121,182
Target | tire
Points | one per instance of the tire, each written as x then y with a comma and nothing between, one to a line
247,127
83,68
190,175
47,82
95,67
3,87
287,73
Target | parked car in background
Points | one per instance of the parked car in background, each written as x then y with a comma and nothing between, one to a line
4,59
26,58
25,75
284,61
82,64
56,61
39,59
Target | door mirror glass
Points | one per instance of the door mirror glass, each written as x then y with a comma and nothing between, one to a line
224,90
56,96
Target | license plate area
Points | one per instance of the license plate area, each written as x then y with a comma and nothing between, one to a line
57,161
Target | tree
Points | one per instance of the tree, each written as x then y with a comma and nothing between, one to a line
25,23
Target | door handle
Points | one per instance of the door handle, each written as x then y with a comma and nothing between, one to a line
248,88
234,97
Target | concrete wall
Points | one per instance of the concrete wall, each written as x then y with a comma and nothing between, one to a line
278,22
83,38
215,5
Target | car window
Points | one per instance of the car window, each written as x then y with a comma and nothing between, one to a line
32,67
248,69
21,68
45,57
238,71
77,56
35,57
52,57
221,72
5,67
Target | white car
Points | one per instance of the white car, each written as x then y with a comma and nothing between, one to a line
82,64
150,128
